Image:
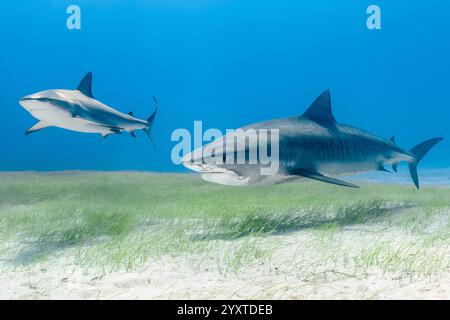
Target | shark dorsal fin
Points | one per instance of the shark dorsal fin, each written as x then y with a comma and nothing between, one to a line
320,110
393,139
130,113
85,86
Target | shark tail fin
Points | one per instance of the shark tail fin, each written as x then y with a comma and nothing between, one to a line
150,120
419,152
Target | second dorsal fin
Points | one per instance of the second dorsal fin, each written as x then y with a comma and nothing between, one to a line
320,110
85,86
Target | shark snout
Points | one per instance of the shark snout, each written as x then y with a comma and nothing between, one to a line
201,167
197,167
192,163
33,103
30,97
36,102
195,162
26,98
27,101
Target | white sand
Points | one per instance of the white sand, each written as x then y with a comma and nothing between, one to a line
184,277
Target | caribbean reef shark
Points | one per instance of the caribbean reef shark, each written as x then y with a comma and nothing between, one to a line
78,110
312,145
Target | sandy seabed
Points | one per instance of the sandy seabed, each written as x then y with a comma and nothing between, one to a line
178,278
71,236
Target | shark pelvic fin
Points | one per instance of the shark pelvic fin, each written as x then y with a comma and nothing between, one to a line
113,130
38,126
321,177
382,168
320,111
105,135
395,166
85,86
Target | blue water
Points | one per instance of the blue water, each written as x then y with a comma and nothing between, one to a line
228,63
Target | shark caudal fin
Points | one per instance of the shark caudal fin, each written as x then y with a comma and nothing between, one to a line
419,152
150,121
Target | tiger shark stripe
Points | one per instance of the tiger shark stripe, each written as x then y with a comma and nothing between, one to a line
313,145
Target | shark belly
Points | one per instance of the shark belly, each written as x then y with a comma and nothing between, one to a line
232,178
54,115
81,125
345,169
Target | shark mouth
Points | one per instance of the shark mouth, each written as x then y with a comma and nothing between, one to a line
212,173
202,167
227,177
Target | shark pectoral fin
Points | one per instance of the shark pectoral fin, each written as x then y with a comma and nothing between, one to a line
38,126
321,177
132,134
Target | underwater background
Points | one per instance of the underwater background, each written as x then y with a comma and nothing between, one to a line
227,63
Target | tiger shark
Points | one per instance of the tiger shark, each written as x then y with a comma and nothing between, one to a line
312,145
78,110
